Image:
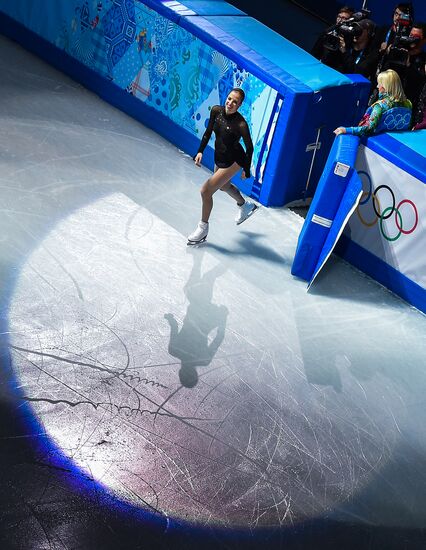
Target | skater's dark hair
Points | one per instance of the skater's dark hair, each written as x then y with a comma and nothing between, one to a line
240,92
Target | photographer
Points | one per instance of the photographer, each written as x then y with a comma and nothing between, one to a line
401,23
322,50
357,52
406,56
416,53
416,62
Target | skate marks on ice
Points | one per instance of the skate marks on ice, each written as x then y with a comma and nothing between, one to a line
177,384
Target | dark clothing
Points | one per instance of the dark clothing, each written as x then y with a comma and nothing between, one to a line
412,76
228,129
418,62
384,34
359,62
415,78
419,116
329,57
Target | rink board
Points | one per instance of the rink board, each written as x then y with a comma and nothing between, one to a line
166,63
386,235
331,197
373,195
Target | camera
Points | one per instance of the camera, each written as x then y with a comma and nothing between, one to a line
397,56
399,52
349,30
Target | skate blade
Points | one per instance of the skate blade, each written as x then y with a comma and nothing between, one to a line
250,215
195,243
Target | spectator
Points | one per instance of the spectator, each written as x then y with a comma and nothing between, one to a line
401,21
419,116
321,49
391,94
416,53
415,77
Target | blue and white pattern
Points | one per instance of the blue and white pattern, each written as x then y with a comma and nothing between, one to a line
160,63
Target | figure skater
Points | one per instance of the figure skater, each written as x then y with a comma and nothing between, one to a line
229,127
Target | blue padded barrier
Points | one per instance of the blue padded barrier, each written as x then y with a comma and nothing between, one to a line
390,248
349,202
202,7
406,149
293,102
337,175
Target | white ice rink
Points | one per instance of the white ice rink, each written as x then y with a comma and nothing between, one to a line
201,383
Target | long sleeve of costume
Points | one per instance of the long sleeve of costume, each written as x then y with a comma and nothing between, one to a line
209,130
245,133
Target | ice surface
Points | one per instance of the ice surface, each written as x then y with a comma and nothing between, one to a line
201,383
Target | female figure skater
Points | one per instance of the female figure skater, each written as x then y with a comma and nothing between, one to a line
391,94
229,127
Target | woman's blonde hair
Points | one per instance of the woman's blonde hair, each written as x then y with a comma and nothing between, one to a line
392,84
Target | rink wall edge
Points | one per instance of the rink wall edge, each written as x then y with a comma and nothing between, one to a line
105,89
382,272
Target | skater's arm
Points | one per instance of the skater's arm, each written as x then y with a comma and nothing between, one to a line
208,133
245,133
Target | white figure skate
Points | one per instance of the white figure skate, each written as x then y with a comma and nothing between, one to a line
245,211
199,235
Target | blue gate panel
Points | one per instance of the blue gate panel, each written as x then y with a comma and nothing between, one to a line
325,205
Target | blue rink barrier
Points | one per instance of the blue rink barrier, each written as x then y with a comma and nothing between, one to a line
167,63
386,236
337,194
374,192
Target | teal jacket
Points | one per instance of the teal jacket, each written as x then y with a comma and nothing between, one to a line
374,113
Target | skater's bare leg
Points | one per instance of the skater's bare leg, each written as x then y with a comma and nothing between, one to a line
233,192
220,178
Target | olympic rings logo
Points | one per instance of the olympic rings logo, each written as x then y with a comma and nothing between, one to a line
397,122
388,213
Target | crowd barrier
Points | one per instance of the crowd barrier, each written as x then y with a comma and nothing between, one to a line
386,235
166,63
377,190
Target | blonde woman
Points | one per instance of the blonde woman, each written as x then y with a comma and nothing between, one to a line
391,95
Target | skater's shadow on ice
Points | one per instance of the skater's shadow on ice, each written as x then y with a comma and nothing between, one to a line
203,327
247,244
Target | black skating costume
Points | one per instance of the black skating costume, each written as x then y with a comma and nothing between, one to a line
228,129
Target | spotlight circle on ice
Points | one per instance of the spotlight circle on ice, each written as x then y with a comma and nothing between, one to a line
123,375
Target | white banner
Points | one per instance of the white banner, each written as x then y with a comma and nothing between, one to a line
390,219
